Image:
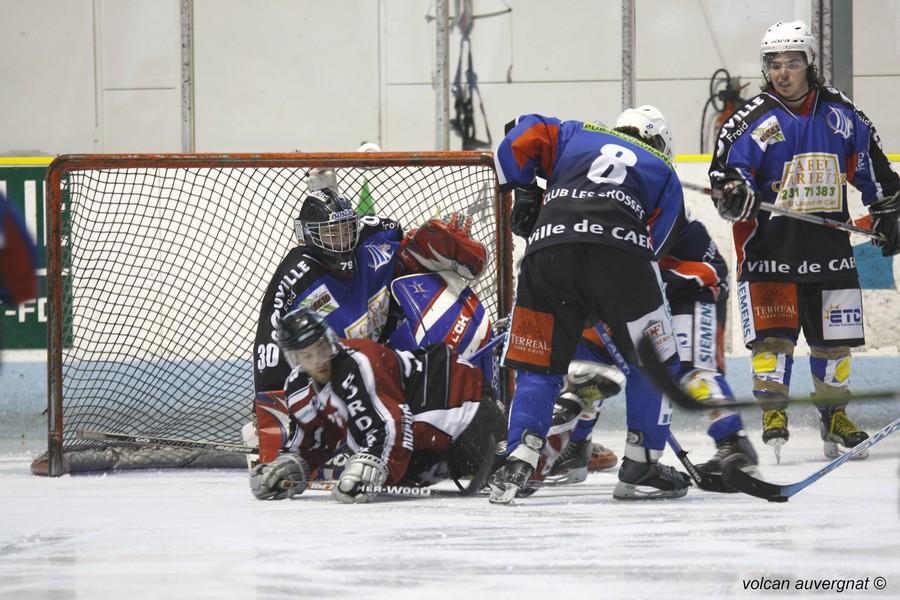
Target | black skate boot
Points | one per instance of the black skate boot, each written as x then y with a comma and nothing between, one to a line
641,477
566,410
735,450
511,479
572,464
775,430
839,431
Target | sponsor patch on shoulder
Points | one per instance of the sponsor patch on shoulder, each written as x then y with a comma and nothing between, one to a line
321,300
768,132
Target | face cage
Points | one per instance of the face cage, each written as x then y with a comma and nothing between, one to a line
311,358
337,236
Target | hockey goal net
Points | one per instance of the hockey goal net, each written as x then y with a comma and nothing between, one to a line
157,266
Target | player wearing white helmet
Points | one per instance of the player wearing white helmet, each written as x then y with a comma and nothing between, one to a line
796,145
603,186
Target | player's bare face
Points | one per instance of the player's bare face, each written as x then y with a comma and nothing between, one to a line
315,360
787,72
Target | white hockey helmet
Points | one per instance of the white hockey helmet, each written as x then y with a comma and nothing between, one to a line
788,37
651,125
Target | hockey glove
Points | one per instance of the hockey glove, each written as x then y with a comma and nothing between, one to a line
364,474
738,201
444,245
525,211
885,221
282,478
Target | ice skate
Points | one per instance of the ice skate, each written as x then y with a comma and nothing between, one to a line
839,433
649,481
735,450
572,464
509,481
775,430
566,410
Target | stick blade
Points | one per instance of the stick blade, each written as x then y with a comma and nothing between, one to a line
750,485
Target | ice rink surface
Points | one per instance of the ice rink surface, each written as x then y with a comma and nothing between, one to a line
200,534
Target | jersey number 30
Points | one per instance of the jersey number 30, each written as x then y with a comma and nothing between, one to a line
612,164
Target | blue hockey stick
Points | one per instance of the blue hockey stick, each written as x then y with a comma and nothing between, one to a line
773,492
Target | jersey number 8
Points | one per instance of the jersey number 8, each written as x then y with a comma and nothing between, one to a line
612,164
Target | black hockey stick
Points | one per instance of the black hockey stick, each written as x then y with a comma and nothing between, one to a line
786,212
147,440
710,482
774,492
659,375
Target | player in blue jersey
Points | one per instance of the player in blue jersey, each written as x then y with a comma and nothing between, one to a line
343,267
696,286
796,145
611,209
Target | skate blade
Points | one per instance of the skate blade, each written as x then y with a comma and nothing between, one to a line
503,495
776,444
567,477
833,450
629,491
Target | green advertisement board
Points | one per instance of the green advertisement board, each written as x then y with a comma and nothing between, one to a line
22,180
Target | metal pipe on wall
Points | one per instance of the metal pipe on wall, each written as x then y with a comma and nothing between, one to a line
442,75
187,76
628,53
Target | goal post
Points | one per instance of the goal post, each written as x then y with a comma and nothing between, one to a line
156,269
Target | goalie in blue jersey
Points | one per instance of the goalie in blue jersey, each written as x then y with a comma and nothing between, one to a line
343,267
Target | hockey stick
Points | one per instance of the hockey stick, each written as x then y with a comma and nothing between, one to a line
773,492
786,212
500,337
705,481
659,375
146,440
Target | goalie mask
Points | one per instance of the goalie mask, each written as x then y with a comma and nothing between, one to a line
307,342
328,223
650,125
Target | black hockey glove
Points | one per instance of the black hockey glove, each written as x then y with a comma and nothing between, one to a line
525,211
885,216
737,201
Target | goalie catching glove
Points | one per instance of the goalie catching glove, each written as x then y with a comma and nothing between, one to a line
280,479
363,474
444,245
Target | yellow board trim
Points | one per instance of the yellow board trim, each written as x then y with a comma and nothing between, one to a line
25,161
706,158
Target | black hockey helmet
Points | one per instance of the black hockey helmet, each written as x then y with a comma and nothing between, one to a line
301,329
328,224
